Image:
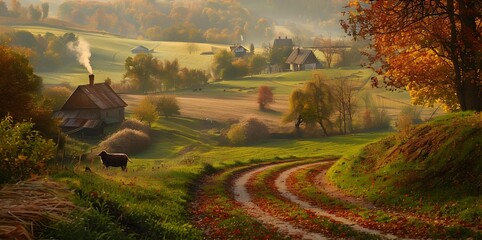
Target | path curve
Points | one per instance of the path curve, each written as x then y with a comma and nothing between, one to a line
281,186
242,196
327,187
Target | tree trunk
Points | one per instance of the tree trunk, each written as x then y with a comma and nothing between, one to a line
298,123
323,127
464,58
470,56
471,96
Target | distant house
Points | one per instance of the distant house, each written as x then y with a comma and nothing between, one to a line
302,59
238,51
283,43
140,49
90,108
281,49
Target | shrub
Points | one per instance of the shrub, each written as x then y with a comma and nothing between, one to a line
237,134
167,105
23,151
247,132
135,124
146,110
127,141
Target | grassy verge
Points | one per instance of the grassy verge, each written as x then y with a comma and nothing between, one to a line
435,170
132,205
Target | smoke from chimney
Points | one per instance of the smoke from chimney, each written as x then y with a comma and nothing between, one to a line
81,48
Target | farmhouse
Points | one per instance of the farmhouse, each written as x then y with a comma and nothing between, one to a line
302,59
90,108
283,43
238,51
140,49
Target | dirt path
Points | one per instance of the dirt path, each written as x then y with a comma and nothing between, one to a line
281,186
242,196
285,207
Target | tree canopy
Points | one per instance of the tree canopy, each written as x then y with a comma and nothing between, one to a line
21,91
431,48
18,84
147,73
315,104
167,105
265,97
141,70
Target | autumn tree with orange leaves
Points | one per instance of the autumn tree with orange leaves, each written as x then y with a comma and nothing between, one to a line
432,48
265,97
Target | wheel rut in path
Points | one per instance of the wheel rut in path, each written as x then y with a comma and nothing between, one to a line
242,196
281,186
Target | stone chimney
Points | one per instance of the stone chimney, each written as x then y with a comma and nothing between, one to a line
91,79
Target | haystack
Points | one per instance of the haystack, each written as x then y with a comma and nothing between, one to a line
30,203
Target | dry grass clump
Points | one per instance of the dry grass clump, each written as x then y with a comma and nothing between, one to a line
248,131
33,202
126,141
135,124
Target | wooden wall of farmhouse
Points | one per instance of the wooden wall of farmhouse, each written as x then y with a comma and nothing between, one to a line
113,114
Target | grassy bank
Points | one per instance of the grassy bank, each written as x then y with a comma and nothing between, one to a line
434,169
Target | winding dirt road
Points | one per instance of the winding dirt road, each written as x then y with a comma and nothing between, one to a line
295,200
243,197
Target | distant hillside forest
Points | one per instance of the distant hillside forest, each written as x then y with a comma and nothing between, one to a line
214,21
308,10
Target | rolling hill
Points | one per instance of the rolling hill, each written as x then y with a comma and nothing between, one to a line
437,162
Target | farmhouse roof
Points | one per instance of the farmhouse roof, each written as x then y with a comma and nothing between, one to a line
234,47
93,96
301,56
78,118
283,42
139,49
